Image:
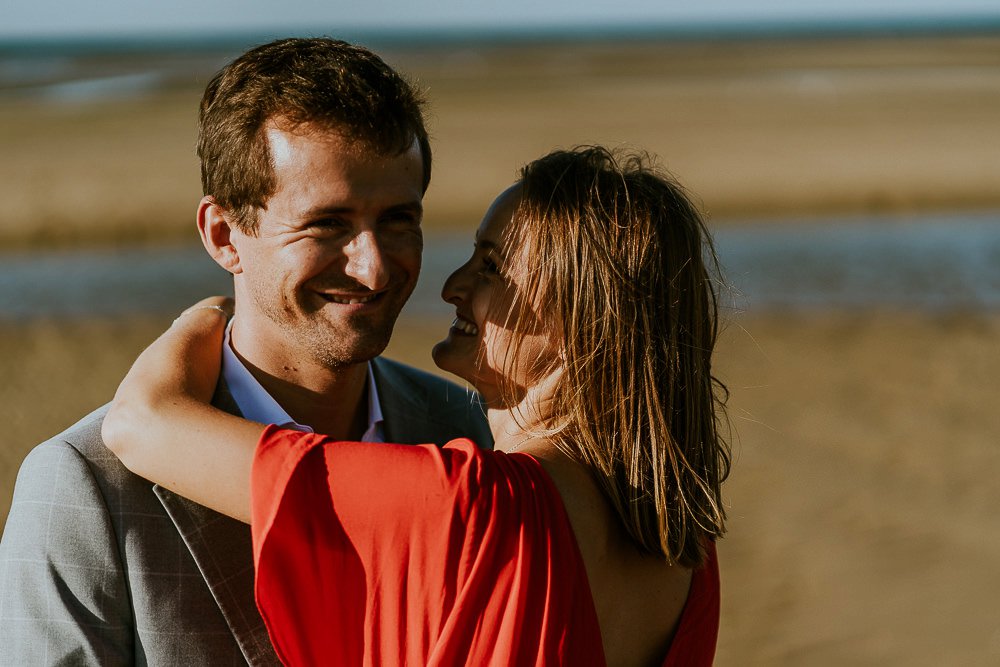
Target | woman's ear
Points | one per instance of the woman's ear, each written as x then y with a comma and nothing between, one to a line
215,229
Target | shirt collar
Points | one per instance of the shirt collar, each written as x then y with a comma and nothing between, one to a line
256,404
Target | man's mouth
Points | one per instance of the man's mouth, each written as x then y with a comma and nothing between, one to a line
465,326
351,300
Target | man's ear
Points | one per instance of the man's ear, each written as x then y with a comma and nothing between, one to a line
215,230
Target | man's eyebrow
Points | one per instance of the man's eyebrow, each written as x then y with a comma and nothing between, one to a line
415,207
411,207
319,211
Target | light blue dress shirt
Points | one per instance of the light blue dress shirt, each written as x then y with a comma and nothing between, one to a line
257,405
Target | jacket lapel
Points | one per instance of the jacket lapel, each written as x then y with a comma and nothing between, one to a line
412,416
404,410
222,549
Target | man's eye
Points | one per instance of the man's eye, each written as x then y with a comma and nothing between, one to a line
402,220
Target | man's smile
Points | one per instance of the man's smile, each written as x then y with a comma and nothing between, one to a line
352,299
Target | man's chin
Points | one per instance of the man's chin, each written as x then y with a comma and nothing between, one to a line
342,353
340,359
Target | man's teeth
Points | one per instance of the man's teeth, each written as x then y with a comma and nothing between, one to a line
465,326
351,300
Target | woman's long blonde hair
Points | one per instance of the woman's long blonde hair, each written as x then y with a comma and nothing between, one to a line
619,259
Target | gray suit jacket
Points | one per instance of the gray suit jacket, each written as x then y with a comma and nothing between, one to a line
101,567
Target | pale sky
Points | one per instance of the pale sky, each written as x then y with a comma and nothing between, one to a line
104,18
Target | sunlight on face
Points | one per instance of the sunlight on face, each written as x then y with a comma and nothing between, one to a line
494,316
337,251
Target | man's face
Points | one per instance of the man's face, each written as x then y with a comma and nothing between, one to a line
337,252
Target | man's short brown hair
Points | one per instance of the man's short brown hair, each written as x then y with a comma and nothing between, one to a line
321,82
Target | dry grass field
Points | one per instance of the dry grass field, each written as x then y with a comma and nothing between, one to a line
861,503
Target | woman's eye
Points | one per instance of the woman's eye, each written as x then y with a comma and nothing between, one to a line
489,266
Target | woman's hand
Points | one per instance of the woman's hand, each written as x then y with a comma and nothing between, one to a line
161,423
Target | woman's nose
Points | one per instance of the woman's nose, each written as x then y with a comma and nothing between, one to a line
456,286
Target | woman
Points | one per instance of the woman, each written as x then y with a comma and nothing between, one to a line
586,318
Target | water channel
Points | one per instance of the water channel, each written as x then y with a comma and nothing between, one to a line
933,262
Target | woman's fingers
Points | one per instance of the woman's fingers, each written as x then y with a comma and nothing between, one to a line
220,304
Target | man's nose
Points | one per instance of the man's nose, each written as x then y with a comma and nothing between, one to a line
366,261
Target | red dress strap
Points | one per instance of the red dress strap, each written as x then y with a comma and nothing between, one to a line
698,630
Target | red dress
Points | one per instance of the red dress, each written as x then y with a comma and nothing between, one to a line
419,555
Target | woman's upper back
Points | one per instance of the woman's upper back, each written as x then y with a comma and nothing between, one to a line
639,599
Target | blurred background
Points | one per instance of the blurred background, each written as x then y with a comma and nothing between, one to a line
847,156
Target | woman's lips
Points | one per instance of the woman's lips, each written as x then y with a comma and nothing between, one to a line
464,326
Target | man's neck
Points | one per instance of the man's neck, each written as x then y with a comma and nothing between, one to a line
337,409
332,402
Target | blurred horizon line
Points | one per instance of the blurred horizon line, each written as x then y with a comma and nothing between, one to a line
457,36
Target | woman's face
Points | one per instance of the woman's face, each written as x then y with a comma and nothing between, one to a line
489,298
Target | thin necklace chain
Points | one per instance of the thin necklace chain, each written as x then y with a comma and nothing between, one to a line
519,445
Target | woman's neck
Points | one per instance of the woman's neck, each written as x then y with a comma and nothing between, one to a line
525,424
513,430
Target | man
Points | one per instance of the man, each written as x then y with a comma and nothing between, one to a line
314,164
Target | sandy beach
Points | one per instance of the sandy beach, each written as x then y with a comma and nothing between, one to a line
861,500
754,128
861,509
861,522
